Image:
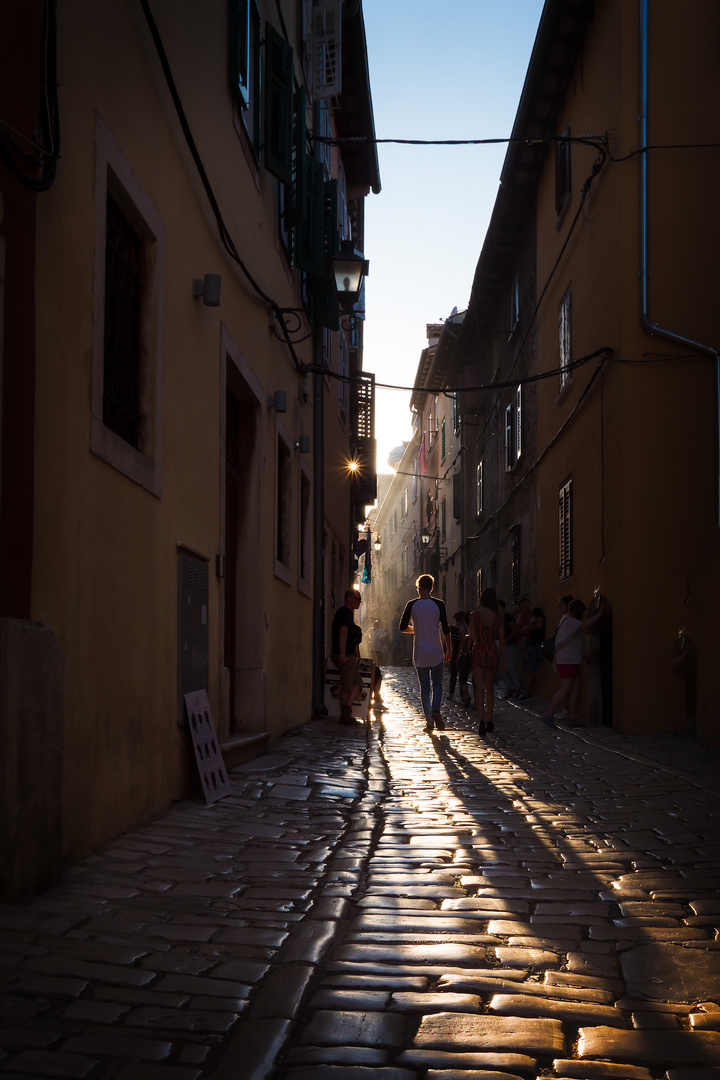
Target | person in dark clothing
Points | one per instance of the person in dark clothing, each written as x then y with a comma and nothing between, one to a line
346,638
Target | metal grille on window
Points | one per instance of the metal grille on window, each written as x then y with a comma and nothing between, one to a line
123,291
566,532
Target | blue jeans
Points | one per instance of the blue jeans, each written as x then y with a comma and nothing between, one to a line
425,674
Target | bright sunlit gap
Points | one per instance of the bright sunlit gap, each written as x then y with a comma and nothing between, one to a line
435,205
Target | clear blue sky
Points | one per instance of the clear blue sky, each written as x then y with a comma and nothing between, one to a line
451,71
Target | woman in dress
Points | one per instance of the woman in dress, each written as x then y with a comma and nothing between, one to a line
486,625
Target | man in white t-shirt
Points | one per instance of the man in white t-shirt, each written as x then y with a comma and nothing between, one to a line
431,632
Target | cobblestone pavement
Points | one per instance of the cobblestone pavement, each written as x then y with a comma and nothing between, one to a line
377,902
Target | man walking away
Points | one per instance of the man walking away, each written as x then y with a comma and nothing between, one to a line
431,631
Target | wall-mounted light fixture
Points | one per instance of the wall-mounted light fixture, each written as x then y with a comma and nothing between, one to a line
209,289
277,401
349,268
303,444
425,537
378,543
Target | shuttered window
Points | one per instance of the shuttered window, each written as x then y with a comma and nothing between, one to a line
278,105
326,49
479,489
566,531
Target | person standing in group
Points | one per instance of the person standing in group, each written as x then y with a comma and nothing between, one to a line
346,638
533,631
431,645
486,624
377,642
568,661
511,679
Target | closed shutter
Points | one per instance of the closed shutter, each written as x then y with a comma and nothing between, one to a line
309,255
278,105
457,496
327,66
239,58
565,528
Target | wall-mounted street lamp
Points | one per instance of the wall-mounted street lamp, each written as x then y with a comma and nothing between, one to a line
377,544
425,537
348,269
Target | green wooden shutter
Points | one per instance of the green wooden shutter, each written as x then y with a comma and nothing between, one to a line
278,105
309,254
331,236
457,495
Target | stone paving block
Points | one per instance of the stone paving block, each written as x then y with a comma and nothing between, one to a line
157,1072
598,1070
281,994
252,1051
83,969
533,959
37,1063
116,1045
672,972
356,999
201,1020
348,1072
97,1012
430,1002
693,1074
467,1064
657,1047
446,953
357,1028
452,1030
481,1074
27,1038
337,1055
575,1012
49,986
310,942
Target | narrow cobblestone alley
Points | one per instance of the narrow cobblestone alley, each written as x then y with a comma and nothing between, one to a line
383,903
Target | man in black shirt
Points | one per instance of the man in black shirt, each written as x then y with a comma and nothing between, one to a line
346,638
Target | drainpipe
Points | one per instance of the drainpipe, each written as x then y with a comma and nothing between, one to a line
647,324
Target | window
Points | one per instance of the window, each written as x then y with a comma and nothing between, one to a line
514,302
405,503
513,431
277,136
123,303
479,489
326,47
515,566
565,339
563,174
566,532
394,522
245,66
283,506
415,480
478,587
509,437
442,440
125,421
443,518
456,413
404,566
